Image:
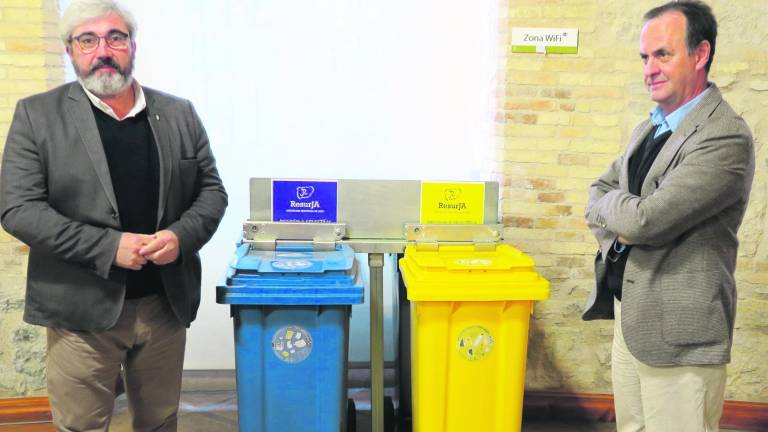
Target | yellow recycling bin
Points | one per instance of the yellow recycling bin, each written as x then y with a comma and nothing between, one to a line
469,335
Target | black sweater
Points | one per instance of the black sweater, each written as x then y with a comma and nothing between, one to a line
135,171
639,165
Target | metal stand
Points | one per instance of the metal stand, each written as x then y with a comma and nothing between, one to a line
376,264
376,217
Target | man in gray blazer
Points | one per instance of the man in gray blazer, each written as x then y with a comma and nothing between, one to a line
666,214
114,188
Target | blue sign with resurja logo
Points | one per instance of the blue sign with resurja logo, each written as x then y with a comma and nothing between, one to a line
304,201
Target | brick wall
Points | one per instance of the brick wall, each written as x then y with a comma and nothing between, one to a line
30,62
561,120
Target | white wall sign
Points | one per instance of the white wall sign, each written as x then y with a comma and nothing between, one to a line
545,40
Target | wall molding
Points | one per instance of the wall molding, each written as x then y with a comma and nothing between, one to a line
751,416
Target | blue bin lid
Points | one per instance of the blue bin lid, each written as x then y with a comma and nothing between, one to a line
291,277
293,260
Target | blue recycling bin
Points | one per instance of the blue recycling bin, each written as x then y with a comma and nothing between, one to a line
291,310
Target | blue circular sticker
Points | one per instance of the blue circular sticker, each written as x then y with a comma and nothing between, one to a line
292,344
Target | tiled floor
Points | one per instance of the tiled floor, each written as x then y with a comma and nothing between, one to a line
209,404
216,411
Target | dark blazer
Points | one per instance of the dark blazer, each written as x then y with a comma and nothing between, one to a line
56,196
679,294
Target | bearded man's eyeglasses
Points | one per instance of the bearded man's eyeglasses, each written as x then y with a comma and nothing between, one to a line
115,39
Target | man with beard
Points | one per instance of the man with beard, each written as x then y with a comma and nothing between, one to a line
114,188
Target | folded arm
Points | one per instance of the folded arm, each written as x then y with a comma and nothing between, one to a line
606,183
710,177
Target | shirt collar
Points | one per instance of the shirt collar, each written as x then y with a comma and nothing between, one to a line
671,121
139,104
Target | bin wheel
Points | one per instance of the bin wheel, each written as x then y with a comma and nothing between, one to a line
351,416
390,421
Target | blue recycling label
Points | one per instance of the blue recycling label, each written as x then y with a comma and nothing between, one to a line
304,201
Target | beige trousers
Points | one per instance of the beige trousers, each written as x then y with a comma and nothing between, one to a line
83,368
664,399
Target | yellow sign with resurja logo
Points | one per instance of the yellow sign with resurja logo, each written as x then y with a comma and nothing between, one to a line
452,203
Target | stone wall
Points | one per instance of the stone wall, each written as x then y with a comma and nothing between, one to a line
563,119
30,62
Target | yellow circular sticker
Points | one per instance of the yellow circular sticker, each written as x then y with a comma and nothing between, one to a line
474,343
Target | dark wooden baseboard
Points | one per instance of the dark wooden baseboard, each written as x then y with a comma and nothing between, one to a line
25,410
561,405
745,415
752,416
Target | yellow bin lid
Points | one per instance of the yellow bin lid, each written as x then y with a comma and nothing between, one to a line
461,273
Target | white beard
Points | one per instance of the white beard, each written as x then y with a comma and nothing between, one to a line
107,84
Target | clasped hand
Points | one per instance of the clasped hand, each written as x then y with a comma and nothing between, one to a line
135,250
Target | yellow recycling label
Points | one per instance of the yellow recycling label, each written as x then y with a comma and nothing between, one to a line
474,343
452,203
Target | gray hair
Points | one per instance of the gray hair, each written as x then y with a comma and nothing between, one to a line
80,11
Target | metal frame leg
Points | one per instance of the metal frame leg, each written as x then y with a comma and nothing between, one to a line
376,265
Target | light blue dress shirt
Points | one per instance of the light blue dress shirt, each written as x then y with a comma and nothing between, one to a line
671,121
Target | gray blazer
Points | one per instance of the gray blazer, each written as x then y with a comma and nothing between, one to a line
56,196
679,295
